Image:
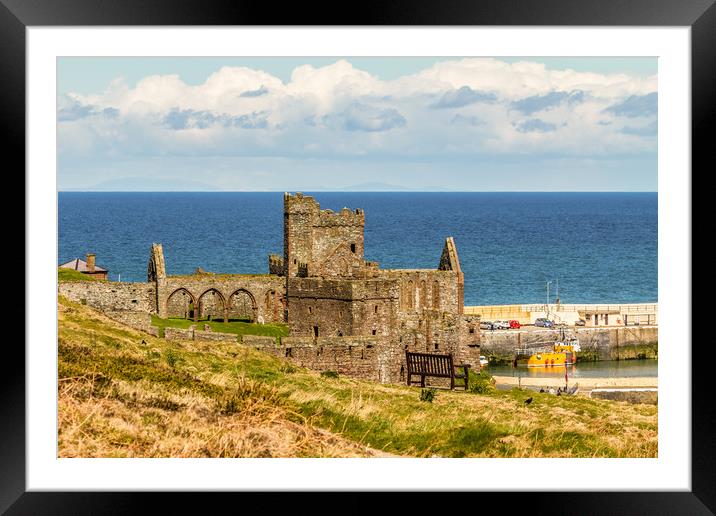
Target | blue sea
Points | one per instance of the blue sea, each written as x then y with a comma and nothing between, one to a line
599,247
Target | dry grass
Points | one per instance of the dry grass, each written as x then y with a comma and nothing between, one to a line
102,416
129,421
123,393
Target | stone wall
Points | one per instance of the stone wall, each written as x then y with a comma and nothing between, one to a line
178,334
135,319
262,292
469,343
344,313
623,314
596,343
110,295
366,357
426,289
324,242
260,341
276,265
193,334
374,308
336,307
299,213
337,243
215,336
369,358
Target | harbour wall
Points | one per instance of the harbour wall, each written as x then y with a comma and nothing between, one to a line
616,343
602,314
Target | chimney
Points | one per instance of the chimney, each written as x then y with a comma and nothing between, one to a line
90,262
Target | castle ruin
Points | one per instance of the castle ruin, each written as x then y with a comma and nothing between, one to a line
344,313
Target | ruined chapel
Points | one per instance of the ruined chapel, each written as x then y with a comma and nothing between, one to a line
344,313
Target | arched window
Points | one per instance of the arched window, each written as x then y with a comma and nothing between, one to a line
242,306
180,304
211,305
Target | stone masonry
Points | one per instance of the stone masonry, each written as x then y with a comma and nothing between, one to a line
344,313
334,295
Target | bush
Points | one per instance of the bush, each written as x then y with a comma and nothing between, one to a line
329,374
481,383
427,395
172,358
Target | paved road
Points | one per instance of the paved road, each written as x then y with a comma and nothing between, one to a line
532,328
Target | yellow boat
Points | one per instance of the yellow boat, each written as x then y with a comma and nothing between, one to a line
560,354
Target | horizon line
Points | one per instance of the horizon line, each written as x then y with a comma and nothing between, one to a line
358,191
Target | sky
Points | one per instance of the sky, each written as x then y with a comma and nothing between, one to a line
357,123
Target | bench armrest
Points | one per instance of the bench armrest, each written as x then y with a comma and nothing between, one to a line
464,368
465,373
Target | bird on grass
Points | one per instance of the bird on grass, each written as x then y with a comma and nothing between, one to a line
528,401
541,390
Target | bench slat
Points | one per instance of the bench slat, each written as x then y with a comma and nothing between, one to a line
433,365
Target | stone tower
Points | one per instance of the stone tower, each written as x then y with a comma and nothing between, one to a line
449,261
155,268
320,242
156,273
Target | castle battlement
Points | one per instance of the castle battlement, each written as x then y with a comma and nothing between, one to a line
299,203
345,217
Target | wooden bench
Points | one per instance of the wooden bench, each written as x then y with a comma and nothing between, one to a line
438,366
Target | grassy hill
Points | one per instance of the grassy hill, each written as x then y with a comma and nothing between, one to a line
237,327
123,393
73,275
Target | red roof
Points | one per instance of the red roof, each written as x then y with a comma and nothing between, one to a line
80,265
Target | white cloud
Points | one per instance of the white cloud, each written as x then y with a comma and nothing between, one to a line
460,107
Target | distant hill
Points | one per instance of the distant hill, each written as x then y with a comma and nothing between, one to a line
147,184
384,187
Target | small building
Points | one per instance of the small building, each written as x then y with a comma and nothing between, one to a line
87,267
600,317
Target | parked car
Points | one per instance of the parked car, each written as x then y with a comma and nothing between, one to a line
487,325
544,322
580,322
515,324
483,360
501,325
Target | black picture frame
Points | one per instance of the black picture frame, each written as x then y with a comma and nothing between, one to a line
16,15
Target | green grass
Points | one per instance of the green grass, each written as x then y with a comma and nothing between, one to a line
172,376
73,275
480,383
236,327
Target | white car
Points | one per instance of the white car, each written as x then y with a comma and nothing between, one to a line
501,325
483,360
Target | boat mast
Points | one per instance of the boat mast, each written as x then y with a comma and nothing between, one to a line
557,299
546,309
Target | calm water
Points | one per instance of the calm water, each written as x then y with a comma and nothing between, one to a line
601,246
609,369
